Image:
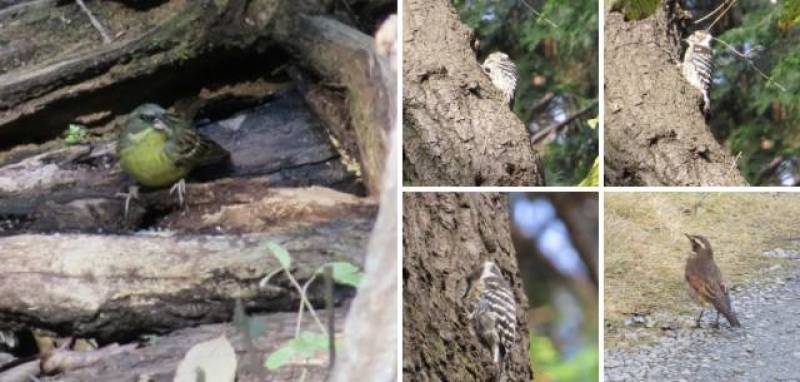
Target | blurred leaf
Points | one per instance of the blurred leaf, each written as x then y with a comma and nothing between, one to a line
751,114
76,134
551,366
593,178
635,9
281,254
343,273
304,346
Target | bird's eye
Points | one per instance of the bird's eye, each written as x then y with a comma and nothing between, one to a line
488,70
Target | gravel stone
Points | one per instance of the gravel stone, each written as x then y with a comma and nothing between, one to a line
765,348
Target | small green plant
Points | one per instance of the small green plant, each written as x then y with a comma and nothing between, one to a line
305,344
551,365
592,179
76,134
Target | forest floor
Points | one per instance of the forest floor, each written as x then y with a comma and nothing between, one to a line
765,348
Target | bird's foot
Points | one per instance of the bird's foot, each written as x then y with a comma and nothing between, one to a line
180,189
133,193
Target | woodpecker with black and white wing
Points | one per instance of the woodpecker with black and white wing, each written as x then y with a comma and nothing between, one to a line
697,65
492,310
503,73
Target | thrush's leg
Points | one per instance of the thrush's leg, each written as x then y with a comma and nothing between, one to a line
702,310
716,323
180,188
133,193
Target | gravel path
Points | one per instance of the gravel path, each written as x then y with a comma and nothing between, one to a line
765,348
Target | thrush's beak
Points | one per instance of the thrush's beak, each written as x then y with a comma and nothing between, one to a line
690,237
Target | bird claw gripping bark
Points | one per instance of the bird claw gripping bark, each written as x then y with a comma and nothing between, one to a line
133,193
180,188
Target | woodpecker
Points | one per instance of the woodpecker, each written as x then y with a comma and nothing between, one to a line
492,311
503,73
697,65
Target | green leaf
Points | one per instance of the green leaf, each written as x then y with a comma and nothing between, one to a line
75,134
303,346
281,254
280,357
343,273
592,179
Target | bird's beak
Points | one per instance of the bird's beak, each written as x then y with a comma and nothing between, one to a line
689,237
161,123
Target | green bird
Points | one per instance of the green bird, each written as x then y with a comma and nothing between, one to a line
159,149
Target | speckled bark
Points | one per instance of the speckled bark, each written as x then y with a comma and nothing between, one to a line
457,131
655,132
447,236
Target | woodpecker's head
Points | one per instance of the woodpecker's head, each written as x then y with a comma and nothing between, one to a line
475,281
700,37
494,61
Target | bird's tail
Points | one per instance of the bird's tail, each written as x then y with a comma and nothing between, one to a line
727,311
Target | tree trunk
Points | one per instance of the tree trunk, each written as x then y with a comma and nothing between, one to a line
457,130
655,131
371,327
446,237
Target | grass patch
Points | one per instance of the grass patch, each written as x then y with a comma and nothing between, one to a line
645,249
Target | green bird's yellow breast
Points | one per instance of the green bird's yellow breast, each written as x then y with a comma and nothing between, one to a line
143,158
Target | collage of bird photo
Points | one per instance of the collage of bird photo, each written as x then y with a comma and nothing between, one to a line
400,190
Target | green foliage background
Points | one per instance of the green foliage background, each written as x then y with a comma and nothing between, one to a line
555,47
752,115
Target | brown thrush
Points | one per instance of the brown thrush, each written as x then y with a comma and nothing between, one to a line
705,281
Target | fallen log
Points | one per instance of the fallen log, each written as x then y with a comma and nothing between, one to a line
163,49
157,360
112,287
74,188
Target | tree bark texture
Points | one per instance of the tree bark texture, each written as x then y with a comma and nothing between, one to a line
457,131
446,237
655,131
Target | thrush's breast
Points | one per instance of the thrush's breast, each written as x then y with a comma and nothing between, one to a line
142,157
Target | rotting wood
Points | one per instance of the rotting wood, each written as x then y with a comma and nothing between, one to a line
347,57
48,94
